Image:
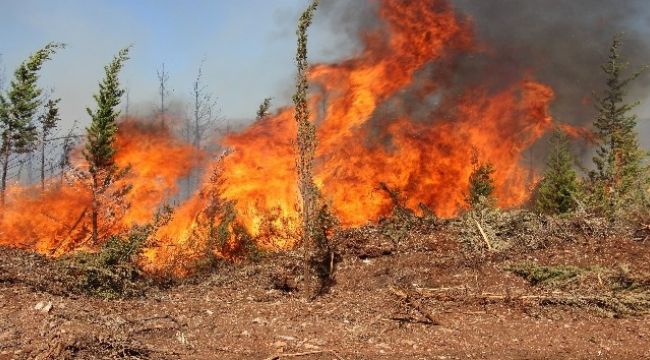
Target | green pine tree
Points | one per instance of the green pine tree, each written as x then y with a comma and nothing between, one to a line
49,121
481,184
263,110
19,108
558,189
100,143
619,173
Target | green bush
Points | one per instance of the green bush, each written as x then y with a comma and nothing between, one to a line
112,272
536,274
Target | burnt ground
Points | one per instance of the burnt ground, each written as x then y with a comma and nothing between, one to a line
424,299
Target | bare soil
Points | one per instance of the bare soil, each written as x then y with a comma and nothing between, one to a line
423,299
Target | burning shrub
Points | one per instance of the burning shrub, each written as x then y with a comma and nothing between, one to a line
114,271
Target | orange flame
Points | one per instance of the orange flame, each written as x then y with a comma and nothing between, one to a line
57,220
576,132
428,161
367,135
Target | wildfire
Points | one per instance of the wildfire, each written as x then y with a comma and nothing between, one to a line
394,114
57,220
362,144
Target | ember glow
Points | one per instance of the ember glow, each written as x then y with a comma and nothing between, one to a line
368,133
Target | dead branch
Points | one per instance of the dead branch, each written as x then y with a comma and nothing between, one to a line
408,300
72,228
624,302
306,353
485,238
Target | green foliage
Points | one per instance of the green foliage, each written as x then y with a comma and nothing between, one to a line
263,110
100,146
23,100
100,136
619,173
537,274
401,221
117,250
230,237
18,108
306,137
481,184
49,122
50,119
607,292
558,189
113,271
325,224
4,111
222,231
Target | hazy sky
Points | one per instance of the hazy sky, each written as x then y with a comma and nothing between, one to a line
248,47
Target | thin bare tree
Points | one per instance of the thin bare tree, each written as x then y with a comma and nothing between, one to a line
127,102
163,92
205,111
70,141
48,121
204,118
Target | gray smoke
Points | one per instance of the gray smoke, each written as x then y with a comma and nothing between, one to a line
561,43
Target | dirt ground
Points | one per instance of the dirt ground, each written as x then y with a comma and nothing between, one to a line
415,301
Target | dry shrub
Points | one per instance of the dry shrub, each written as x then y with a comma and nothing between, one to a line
608,292
525,230
536,274
97,347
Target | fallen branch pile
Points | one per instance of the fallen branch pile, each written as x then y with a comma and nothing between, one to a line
614,303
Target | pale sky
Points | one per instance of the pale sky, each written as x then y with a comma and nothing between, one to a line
248,47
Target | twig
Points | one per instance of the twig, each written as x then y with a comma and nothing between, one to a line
72,228
280,356
487,241
581,206
408,300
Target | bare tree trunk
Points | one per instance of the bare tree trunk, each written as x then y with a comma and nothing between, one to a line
95,210
5,168
307,202
163,76
30,168
43,164
126,104
65,152
187,133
